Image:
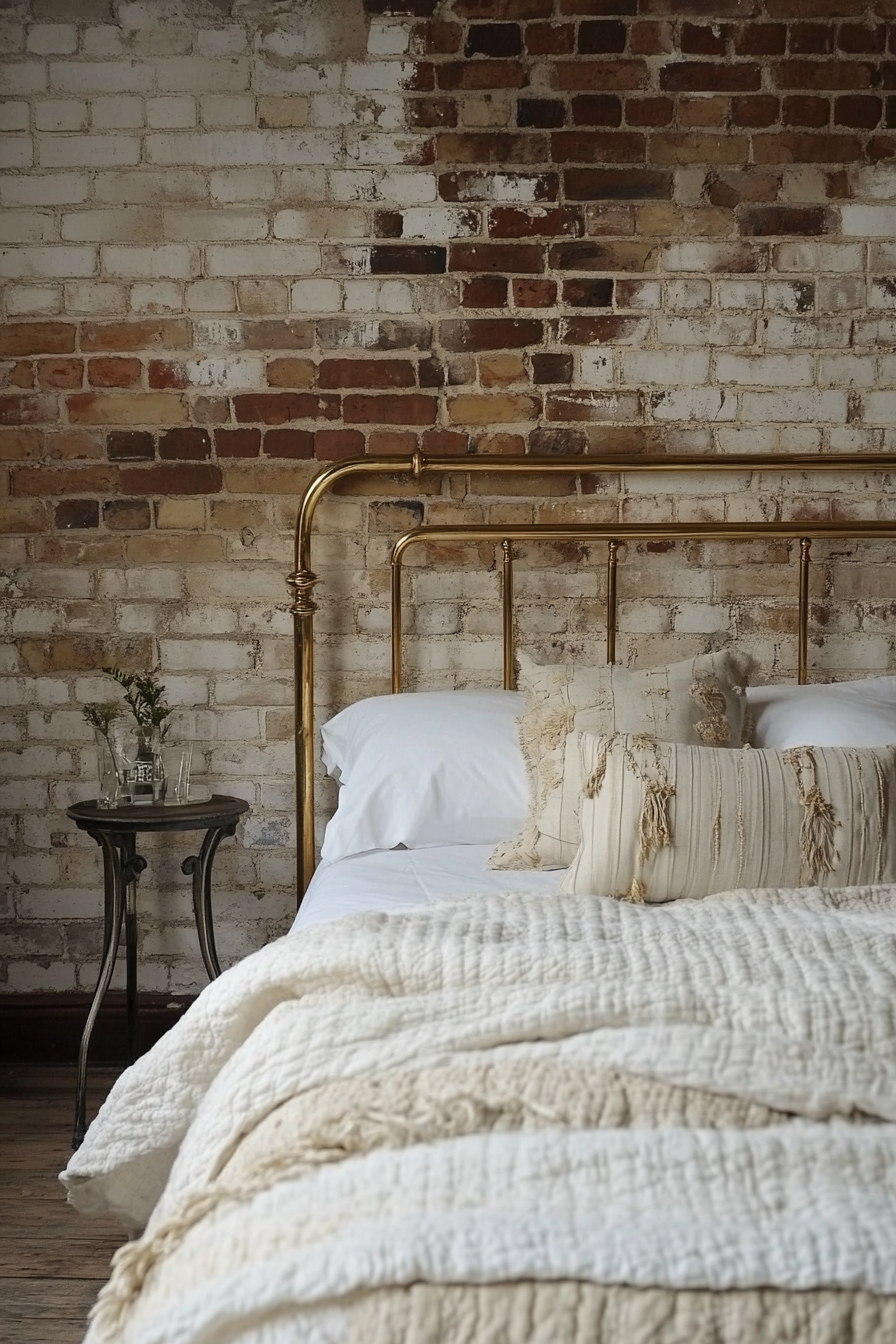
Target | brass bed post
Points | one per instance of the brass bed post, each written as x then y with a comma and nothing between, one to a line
396,623
803,637
507,613
612,555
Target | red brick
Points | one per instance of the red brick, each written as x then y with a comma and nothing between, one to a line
25,410
550,39
534,293
485,291
503,9
602,37
588,147
60,374
291,372
191,445
130,445
542,113
557,442
422,78
277,334
144,334
617,184
693,147
276,408
811,39
600,8
439,37
36,338
110,372
601,76
791,147
237,442
493,39
859,110
760,39
333,445
490,333
652,39
166,374
858,39
506,221
172,478
881,147
21,445
19,374
526,258
702,111
471,75
444,443
126,515
477,186
392,442
761,110
337,373
703,39
495,147
762,221
426,113
499,445
288,443
413,409
594,255
804,110
702,77
823,75
76,513
407,259
642,111
588,293
597,330
47,481
815,9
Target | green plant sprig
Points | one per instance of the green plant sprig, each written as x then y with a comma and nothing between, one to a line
145,697
101,714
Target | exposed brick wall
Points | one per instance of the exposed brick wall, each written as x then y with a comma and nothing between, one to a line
233,249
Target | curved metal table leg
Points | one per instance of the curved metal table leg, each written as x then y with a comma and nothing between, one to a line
132,865
200,866
112,911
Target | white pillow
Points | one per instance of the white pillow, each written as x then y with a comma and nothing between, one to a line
426,768
848,714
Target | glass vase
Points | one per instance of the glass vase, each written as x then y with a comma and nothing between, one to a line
107,774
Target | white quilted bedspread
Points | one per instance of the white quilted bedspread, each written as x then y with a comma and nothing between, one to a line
782,998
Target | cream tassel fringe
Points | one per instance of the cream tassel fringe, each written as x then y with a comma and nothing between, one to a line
654,825
817,834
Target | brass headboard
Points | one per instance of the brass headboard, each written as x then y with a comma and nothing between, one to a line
303,580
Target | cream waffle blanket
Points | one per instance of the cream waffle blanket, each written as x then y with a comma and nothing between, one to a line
516,1114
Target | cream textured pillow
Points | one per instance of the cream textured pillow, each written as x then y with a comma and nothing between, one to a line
661,821
698,701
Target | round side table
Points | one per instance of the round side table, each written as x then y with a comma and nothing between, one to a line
115,830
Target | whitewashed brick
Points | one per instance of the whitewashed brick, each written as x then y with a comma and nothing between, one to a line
806,333
211,655
596,368
52,39
170,261
808,255
154,583
14,116
316,296
91,77
215,42
27,977
280,259
210,296
218,225
329,110
95,298
247,184
740,294
353,185
371,76
21,794
32,300
840,292
688,293
642,294
47,262
882,293
666,366
304,78
790,296
227,109
705,330
61,114
22,78
321,223
39,762
303,186
381,150
156,296
410,188
387,39
88,151
702,257
697,403
21,226
880,408
117,113
171,112
58,189
192,74
110,226
396,296
219,149
701,618
16,151
826,406
851,371
869,221
766,370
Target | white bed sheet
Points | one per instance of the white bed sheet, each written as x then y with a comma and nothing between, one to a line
392,881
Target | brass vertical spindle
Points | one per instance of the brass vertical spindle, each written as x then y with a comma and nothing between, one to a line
396,624
803,638
507,600
612,549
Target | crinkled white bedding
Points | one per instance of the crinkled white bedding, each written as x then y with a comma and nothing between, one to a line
787,999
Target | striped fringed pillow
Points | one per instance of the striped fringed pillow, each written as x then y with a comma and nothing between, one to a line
662,821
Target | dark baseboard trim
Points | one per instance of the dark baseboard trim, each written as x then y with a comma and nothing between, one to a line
46,1028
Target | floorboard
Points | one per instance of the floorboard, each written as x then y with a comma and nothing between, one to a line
52,1260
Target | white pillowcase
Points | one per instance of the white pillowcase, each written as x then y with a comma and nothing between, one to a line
847,714
423,769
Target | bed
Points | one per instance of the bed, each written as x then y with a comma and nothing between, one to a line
584,1033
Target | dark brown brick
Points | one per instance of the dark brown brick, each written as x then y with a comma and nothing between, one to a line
811,39
167,375
288,443
860,110
432,372
599,38
126,515
617,184
28,410
237,442
388,224
761,221
76,513
439,37
60,374
602,255
543,113
185,445
106,371
792,147
600,8
36,338
645,111
485,291
409,259
276,408
588,147
337,373
490,333
479,186
444,443
525,258
130,445
471,75
552,368
823,75
415,9
702,77
595,109
161,333
424,113
172,478
816,9
652,39
493,39
758,110
503,9
508,221
410,409
890,114
277,334
703,39
557,442
334,445
550,39
805,110
597,330
881,147
500,148
859,40
761,39
534,293
588,293
47,481
601,76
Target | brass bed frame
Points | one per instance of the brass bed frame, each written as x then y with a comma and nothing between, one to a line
303,580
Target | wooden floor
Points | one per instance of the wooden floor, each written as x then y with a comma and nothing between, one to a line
52,1260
